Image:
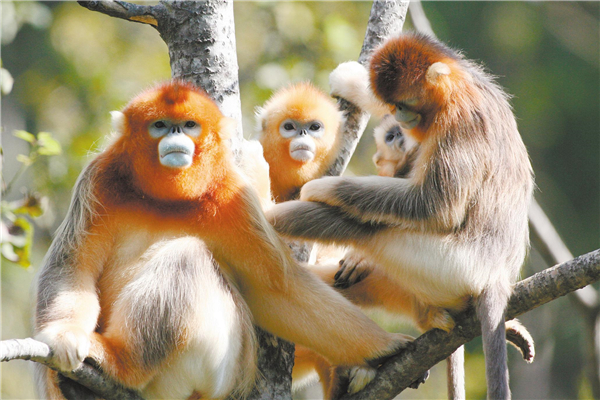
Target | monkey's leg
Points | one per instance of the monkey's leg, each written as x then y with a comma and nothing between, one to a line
307,362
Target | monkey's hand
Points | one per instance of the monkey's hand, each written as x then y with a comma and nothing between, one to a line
353,269
69,343
322,190
350,81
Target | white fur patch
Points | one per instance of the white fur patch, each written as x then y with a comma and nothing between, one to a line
350,81
117,121
360,377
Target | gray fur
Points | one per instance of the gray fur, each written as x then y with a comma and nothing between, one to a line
322,223
491,305
455,370
57,267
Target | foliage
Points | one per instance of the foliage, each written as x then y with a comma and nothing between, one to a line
16,226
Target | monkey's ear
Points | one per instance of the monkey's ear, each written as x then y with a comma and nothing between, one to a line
118,121
261,120
436,70
227,127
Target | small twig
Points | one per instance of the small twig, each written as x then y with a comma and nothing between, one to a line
7,188
124,10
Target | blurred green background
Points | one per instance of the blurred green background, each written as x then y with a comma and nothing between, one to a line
72,66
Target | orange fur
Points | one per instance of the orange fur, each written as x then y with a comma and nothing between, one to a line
141,203
302,102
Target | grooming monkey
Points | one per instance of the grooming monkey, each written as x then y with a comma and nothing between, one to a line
165,259
356,280
456,227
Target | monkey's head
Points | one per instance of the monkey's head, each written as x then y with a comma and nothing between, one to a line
392,146
417,75
171,137
299,132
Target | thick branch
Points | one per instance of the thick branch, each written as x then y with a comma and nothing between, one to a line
435,345
427,350
125,10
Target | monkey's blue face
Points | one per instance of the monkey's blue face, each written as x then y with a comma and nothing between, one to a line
394,138
176,146
302,136
406,114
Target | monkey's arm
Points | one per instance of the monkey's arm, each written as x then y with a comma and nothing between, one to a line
319,222
67,302
438,193
376,199
277,289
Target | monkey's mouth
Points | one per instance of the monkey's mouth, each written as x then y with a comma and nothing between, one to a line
176,153
302,153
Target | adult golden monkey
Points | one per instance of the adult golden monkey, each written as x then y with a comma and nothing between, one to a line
178,324
456,228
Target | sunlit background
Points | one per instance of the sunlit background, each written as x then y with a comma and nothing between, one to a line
72,66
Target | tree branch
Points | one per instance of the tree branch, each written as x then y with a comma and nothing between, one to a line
426,351
86,375
125,10
436,345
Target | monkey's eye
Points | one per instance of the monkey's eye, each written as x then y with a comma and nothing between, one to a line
315,127
389,138
190,124
288,126
160,124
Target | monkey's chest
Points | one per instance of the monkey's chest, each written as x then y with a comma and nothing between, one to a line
167,297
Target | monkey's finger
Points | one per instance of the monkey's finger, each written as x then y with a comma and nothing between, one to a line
341,278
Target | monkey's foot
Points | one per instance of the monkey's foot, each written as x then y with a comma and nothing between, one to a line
434,317
359,378
353,269
415,384
69,343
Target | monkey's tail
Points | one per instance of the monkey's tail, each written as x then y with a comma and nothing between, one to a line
491,306
455,368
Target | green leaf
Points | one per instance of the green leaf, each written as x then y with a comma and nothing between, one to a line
48,145
22,158
31,204
26,136
24,252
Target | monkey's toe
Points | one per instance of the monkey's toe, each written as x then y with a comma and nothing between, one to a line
418,382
